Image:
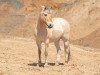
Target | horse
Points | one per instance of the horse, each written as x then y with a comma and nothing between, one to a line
51,30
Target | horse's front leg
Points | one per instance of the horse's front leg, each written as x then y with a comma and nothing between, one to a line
46,52
39,52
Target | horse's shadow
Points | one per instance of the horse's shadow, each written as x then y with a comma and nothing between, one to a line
42,64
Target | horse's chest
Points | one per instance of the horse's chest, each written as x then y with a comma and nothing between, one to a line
56,34
41,36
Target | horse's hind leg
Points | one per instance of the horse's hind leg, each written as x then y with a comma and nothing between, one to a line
58,52
67,49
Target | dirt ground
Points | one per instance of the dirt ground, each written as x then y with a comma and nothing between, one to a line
18,56
18,50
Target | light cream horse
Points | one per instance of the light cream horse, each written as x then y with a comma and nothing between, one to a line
49,30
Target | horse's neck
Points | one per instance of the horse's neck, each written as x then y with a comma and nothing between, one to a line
40,25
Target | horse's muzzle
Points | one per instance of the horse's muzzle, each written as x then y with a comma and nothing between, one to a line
50,25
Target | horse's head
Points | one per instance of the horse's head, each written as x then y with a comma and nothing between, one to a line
46,16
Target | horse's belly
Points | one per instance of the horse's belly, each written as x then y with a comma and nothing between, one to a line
56,35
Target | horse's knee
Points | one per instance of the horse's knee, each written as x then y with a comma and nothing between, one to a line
66,44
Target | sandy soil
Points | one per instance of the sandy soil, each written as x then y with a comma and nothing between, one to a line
18,56
18,51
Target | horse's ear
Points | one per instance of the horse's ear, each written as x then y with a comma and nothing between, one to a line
50,7
43,8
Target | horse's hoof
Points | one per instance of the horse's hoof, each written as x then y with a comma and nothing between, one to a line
39,64
66,61
56,64
46,65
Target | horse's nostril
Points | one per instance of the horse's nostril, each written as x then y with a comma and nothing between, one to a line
50,25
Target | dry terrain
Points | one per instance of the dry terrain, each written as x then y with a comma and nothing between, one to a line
19,57
18,51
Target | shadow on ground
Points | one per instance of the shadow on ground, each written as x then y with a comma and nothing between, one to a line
42,64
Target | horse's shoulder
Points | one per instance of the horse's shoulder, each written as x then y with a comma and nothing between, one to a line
60,21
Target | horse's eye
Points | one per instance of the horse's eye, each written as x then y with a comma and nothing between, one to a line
45,14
